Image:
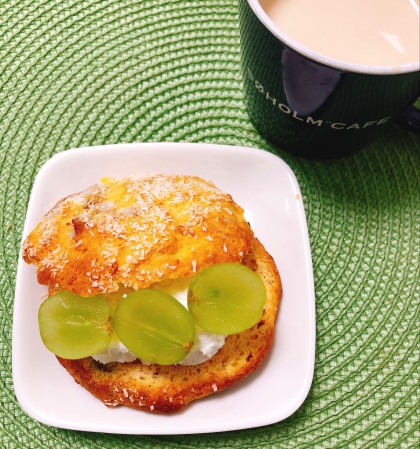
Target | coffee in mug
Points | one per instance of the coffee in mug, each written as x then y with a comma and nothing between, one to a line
326,102
363,32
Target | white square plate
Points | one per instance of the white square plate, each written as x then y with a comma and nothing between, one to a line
268,191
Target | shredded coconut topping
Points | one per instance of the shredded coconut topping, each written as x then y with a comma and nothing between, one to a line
136,231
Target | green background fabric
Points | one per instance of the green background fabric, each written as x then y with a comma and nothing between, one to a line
89,72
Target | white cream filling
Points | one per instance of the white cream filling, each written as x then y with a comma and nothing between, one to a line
206,343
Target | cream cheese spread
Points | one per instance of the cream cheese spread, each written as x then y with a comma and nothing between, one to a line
206,343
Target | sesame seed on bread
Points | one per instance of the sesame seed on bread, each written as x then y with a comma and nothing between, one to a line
165,389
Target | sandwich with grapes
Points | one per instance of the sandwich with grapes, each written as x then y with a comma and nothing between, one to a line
159,292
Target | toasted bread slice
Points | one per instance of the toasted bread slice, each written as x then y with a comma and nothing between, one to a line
165,389
134,232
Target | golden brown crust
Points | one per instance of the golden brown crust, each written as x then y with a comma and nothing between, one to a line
165,389
134,232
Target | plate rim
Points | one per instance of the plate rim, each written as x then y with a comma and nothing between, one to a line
255,422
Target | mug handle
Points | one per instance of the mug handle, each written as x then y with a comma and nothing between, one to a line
410,118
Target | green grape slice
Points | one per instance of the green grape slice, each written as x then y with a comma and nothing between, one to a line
74,327
154,326
226,298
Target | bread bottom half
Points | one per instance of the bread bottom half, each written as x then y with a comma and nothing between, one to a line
165,389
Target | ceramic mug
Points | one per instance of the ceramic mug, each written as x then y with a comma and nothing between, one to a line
311,105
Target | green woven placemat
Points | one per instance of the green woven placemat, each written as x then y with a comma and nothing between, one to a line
78,73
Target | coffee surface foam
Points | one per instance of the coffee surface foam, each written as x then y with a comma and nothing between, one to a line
361,32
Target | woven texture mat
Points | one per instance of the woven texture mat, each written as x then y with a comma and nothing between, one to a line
78,73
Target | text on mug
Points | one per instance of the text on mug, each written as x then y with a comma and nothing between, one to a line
285,109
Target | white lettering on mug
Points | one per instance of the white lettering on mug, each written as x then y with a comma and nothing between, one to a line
309,119
284,108
259,86
369,123
267,96
296,117
314,122
384,120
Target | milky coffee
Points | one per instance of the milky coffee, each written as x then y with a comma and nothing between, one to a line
362,32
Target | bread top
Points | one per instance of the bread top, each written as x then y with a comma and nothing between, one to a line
136,231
